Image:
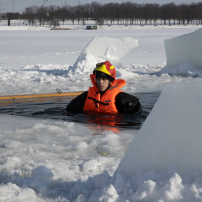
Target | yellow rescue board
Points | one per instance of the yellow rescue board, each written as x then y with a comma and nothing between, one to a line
42,95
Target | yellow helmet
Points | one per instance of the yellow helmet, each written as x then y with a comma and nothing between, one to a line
106,68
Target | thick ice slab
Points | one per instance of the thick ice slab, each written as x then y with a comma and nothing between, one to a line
104,48
186,48
171,135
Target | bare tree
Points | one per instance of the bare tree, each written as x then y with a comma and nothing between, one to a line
72,14
42,15
199,13
156,12
63,13
30,14
52,16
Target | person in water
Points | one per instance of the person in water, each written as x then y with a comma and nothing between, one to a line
105,95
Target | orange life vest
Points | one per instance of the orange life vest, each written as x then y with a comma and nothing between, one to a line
106,102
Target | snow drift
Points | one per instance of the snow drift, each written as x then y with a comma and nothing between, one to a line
187,47
184,69
171,134
104,48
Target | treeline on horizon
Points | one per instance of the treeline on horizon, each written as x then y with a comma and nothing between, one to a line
125,13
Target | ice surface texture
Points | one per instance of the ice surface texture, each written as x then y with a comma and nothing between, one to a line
187,47
101,49
171,134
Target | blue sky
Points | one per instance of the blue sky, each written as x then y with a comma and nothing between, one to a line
20,5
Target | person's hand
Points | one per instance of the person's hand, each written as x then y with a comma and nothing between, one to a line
131,107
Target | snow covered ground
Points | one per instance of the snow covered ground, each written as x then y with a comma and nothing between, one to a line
48,160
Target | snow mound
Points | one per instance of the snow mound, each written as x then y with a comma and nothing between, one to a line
187,47
12,192
171,134
144,186
183,69
42,172
104,48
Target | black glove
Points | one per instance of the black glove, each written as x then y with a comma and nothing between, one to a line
131,107
127,103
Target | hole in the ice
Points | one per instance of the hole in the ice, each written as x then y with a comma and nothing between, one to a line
55,109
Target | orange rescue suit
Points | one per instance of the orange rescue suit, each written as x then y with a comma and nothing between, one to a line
106,102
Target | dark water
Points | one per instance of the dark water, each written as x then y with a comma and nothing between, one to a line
55,109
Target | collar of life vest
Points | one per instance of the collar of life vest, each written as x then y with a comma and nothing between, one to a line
117,83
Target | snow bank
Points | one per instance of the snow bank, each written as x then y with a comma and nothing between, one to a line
171,135
43,78
48,160
184,69
187,48
104,48
148,186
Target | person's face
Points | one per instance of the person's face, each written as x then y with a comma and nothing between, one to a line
102,83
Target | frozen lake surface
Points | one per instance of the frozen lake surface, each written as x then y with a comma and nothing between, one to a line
46,157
